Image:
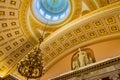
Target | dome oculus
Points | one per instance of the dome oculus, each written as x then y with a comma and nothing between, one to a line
51,11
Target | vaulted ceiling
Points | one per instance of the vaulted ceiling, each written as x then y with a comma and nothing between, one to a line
88,22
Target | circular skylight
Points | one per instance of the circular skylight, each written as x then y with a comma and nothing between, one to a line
51,11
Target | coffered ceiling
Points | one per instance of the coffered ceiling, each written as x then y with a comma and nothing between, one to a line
99,25
20,30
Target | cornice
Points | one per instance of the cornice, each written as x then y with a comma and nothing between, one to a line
90,68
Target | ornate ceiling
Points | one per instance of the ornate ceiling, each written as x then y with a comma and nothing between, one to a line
102,24
51,11
13,43
20,29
